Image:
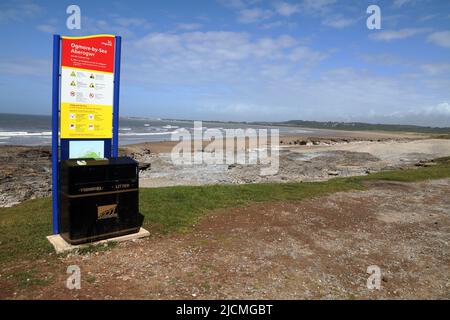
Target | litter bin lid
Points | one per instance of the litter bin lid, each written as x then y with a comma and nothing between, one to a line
98,162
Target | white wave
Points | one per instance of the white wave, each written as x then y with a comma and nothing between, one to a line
299,131
125,129
170,127
146,125
24,134
146,133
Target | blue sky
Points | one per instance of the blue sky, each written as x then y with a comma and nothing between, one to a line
246,59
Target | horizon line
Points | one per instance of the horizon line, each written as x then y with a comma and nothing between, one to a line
252,121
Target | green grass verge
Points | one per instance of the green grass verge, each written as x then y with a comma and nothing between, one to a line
178,208
23,228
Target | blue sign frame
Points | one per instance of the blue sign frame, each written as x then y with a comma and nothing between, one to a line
60,147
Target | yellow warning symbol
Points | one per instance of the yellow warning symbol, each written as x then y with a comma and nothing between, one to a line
73,74
73,83
92,76
91,85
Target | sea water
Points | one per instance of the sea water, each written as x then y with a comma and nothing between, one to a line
35,130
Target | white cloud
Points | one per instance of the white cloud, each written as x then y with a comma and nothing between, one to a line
213,46
246,75
434,115
50,26
389,35
439,109
437,114
274,24
286,9
253,15
248,12
326,10
189,26
436,68
216,58
235,4
392,21
440,38
131,22
235,108
278,24
302,53
116,24
385,59
335,95
112,23
428,17
19,11
317,6
401,3
24,66
339,22
398,4
47,28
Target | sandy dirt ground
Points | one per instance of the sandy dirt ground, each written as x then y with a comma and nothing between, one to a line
315,249
390,152
315,159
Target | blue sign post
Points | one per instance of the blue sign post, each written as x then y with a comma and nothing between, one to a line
115,149
55,132
92,130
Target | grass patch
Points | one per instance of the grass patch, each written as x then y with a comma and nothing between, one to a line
24,279
23,228
178,208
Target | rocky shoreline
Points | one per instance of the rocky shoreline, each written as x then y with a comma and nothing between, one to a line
25,174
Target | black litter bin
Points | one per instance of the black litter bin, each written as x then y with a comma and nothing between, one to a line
99,199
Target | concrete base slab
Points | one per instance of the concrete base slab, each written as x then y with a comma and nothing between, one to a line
62,245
